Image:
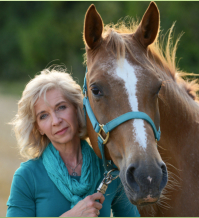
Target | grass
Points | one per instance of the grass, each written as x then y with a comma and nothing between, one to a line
14,88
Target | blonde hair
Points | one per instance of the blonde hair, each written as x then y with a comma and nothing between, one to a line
31,143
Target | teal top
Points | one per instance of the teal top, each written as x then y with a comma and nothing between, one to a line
34,194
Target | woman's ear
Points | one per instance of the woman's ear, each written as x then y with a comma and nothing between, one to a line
41,132
38,129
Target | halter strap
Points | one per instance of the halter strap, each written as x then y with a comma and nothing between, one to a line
111,125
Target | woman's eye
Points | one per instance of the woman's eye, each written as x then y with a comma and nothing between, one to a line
43,116
96,91
62,107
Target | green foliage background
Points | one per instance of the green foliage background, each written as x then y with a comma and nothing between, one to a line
35,35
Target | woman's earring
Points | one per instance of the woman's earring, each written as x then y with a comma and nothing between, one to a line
41,132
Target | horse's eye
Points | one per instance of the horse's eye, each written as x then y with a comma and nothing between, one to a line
96,91
159,89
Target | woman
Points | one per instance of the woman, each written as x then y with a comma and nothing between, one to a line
62,173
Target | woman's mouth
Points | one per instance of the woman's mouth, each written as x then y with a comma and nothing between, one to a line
62,131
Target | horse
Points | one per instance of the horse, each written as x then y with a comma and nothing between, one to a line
128,71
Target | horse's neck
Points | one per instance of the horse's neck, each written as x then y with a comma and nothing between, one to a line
179,149
179,117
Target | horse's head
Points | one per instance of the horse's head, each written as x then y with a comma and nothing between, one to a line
119,81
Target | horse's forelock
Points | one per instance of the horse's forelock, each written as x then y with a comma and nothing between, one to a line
116,43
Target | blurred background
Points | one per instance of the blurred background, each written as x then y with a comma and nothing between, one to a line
36,35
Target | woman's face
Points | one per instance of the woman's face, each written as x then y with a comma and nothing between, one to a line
56,118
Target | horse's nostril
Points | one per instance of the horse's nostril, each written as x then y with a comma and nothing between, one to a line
140,178
130,177
163,167
164,176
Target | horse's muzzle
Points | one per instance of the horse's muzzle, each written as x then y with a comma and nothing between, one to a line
145,182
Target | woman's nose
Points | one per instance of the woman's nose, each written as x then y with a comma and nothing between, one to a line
56,119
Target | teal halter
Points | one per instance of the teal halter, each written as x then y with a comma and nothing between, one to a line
108,165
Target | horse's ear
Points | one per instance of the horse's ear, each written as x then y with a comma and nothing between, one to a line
149,26
93,27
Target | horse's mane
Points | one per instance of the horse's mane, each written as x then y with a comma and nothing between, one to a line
165,57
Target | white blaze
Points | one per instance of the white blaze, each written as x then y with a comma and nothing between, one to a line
126,72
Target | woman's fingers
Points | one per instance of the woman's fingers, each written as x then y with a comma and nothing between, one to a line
88,207
97,205
98,196
92,203
92,212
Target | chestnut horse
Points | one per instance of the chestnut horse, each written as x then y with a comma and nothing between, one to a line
128,71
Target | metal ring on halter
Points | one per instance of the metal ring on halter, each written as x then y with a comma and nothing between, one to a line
109,178
111,172
99,134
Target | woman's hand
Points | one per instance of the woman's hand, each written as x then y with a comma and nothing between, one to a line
88,207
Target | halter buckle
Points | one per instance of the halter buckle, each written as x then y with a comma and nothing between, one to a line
99,134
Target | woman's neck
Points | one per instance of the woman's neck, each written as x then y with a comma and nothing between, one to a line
70,152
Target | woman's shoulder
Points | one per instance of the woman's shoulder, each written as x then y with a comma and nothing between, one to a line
30,167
